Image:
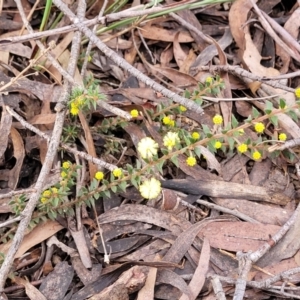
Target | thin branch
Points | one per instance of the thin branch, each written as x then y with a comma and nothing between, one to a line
52,151
129,13
191,27
283,76
124,64
249,259
18,192
90,44
10,221
88,157
242,73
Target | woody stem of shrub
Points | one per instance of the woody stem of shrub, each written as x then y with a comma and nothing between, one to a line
152,164
52,150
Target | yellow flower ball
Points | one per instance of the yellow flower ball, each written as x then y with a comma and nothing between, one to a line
282,137
172,123
297,92
117,172
74,111
218,119
182,108
259,127
218,145
256,155
147,148
44,200
166,120
170,140
66,165
134,113
242,148
46,193
99,175
150,189
209,79
241,131
63,174
191,161
54,190
195,135
79,101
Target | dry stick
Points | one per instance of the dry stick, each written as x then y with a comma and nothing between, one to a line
225,210
129,13
52,150
250,258
88,157
78,36
10,221
71,80
210,205
288,144
20,75
217,286
145,45
283,76
240,72
79,183
212,99
191,28
90,44
18,192
273,34
29,15
285,35
54,241
124,64
262,285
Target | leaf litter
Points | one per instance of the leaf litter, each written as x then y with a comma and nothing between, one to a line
190,239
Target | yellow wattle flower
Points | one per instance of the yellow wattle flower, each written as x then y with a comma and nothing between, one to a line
218,119
150,188
191,161
147,148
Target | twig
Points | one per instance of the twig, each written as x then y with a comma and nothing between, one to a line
18,192
250,258
54,241
145,45
273,34
52,150
97,161
71,80
20,75
273,289
30,15
288,144
219,208
217,286
240,72
285,35
81,14
28,125
90,44
124,64
238,99
283,76
228,211
191,27
129,13
10,221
